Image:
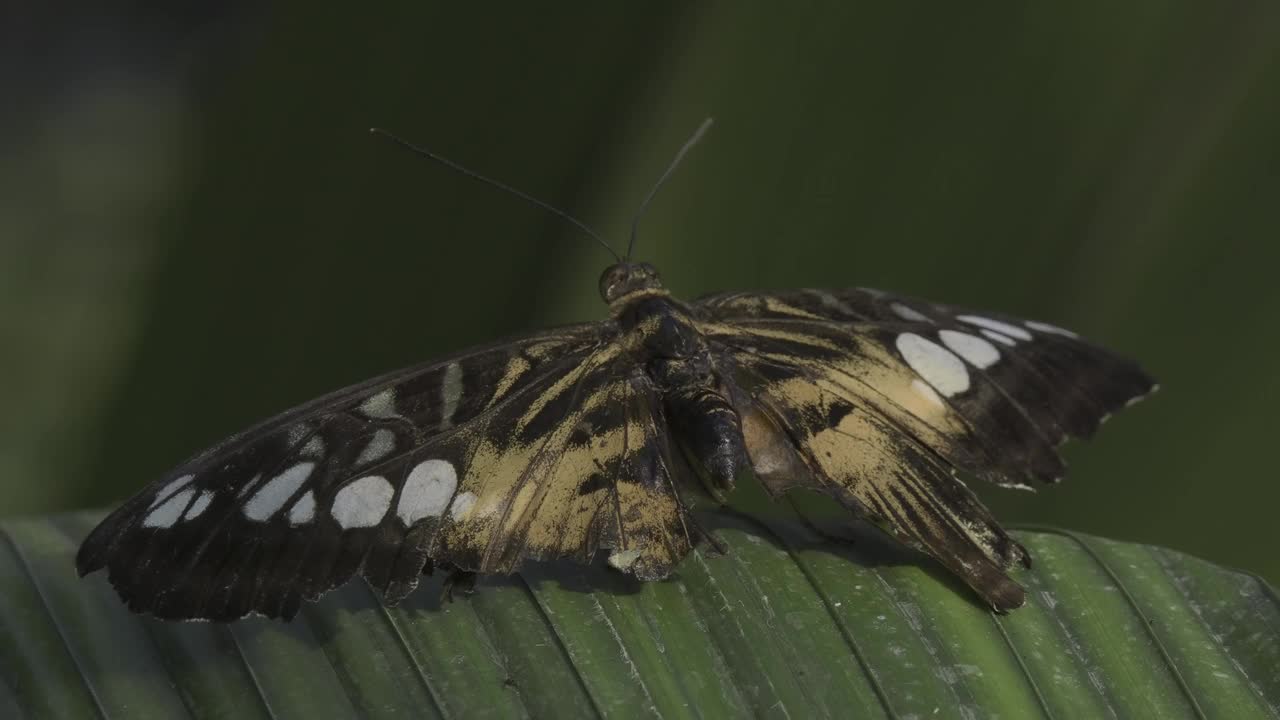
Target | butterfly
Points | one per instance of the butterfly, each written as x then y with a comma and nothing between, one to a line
599,437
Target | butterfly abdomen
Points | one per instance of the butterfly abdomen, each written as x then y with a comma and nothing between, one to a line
710,431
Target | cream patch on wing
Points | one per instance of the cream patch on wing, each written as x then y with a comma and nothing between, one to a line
363,502
980,353
427,491
1003,328
935,364
274,493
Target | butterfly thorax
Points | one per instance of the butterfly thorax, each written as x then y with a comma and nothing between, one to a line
656,329
677,360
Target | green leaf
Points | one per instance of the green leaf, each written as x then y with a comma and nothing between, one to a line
786,624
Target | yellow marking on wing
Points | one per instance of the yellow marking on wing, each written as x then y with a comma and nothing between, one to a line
869,375
770,332
866,457
777,306
557,484
515,369
516,483
550,517
565,384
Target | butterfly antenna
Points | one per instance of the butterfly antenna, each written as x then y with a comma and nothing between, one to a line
494,183
635,223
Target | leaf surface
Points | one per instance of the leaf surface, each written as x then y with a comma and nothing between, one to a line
786,624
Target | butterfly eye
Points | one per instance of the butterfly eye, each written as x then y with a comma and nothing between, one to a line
624,278
620,279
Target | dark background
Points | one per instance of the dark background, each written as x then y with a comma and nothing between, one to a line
196,230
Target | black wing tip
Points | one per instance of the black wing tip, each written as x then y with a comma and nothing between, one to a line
1001,592
84,568
1140,392
183,604
1051,469
1015,554
168,608
1009,599
92,555
87,560
1153,387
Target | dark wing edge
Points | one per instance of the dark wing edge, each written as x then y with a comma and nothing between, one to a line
1053,382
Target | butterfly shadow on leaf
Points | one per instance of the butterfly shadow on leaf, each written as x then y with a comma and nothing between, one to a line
797,530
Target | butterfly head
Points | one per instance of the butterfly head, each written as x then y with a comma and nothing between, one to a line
626,281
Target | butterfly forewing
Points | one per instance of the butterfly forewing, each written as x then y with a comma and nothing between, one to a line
1065,385
299,504
981,431
877,400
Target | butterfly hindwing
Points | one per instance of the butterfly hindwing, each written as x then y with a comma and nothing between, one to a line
853,454
596,473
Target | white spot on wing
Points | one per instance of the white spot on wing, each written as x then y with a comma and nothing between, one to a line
380,405
623,559
462,505
199,506
1047,328
304,510
380,445
314,447
169,488
276,492
427,491
362,503
908,313
977,351
295,433
450,392
1002,339
1003,328
166,514
934,363
247,487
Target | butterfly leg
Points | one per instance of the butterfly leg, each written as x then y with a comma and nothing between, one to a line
463,581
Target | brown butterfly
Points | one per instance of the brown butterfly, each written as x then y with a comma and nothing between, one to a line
596,437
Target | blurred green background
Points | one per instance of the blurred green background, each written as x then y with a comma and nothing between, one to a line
196,230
